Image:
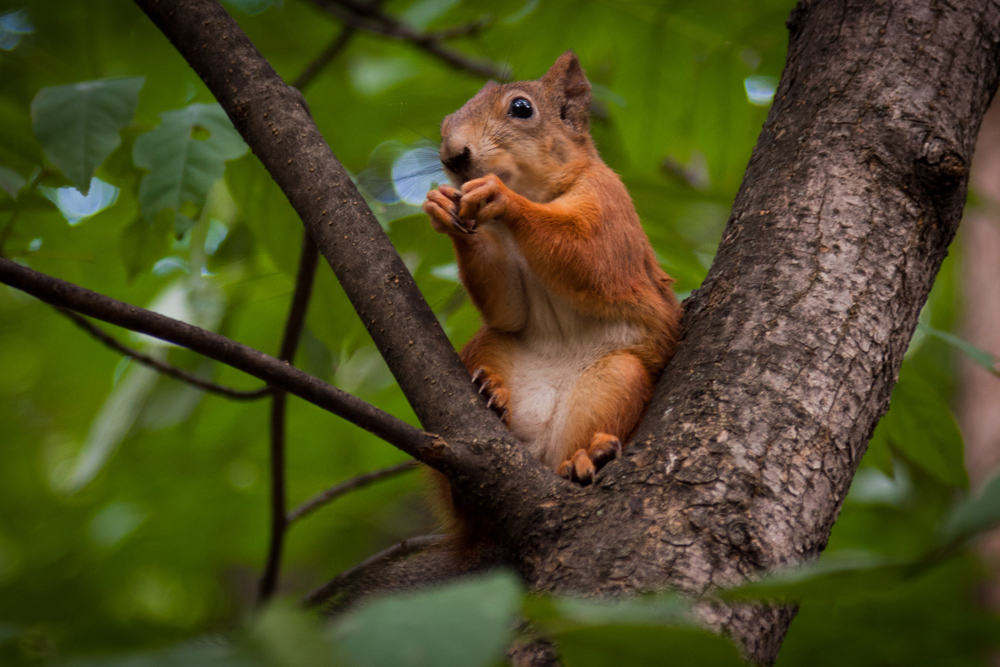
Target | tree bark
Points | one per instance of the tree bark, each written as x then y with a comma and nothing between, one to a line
791,346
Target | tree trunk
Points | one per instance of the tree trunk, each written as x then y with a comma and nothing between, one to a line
791,346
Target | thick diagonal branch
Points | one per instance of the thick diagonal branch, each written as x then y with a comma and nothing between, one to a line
483,459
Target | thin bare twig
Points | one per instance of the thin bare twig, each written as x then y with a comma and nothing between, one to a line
373,20
304,281
404,548
470,29
172,371
289,343
335,48
337,490
60,293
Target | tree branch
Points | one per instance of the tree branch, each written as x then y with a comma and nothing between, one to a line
375,21
422,446
791,346
408,546
481,459
304,281
337,490
313,69
338,44
166,369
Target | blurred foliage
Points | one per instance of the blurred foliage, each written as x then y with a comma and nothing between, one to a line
133,508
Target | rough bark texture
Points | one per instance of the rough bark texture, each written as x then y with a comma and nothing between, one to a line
792,345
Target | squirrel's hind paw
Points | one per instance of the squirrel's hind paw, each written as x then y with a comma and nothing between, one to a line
582,467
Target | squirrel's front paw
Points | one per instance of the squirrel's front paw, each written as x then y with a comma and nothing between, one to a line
442,207
484,199
497,395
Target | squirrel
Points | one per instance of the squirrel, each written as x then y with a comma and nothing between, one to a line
579,318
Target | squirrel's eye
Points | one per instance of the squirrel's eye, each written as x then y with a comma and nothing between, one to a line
520,108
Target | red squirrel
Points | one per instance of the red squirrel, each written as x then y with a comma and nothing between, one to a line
578,317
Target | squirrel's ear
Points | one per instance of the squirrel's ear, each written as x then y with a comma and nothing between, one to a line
568,86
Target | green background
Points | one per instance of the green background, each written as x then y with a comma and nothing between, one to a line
133,508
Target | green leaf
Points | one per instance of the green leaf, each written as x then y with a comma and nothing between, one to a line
11,182
641,646
920,426
836,576
142,244
565,612
289,637
182,224
78,124
464,624
266,212
638,631
978,355
974,516
185,155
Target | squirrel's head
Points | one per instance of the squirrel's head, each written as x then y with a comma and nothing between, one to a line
534,135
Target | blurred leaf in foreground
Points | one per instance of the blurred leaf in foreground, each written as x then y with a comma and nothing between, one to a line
921,427
464,624
975,515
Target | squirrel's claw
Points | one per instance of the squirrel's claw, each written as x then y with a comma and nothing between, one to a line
442,207
458,224
497,396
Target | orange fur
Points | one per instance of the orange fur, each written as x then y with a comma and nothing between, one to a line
578,317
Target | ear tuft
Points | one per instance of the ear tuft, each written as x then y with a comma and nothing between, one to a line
568,86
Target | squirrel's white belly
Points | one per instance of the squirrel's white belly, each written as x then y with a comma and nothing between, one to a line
541,382
555,348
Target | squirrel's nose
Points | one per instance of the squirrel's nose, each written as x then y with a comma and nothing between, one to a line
458,163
